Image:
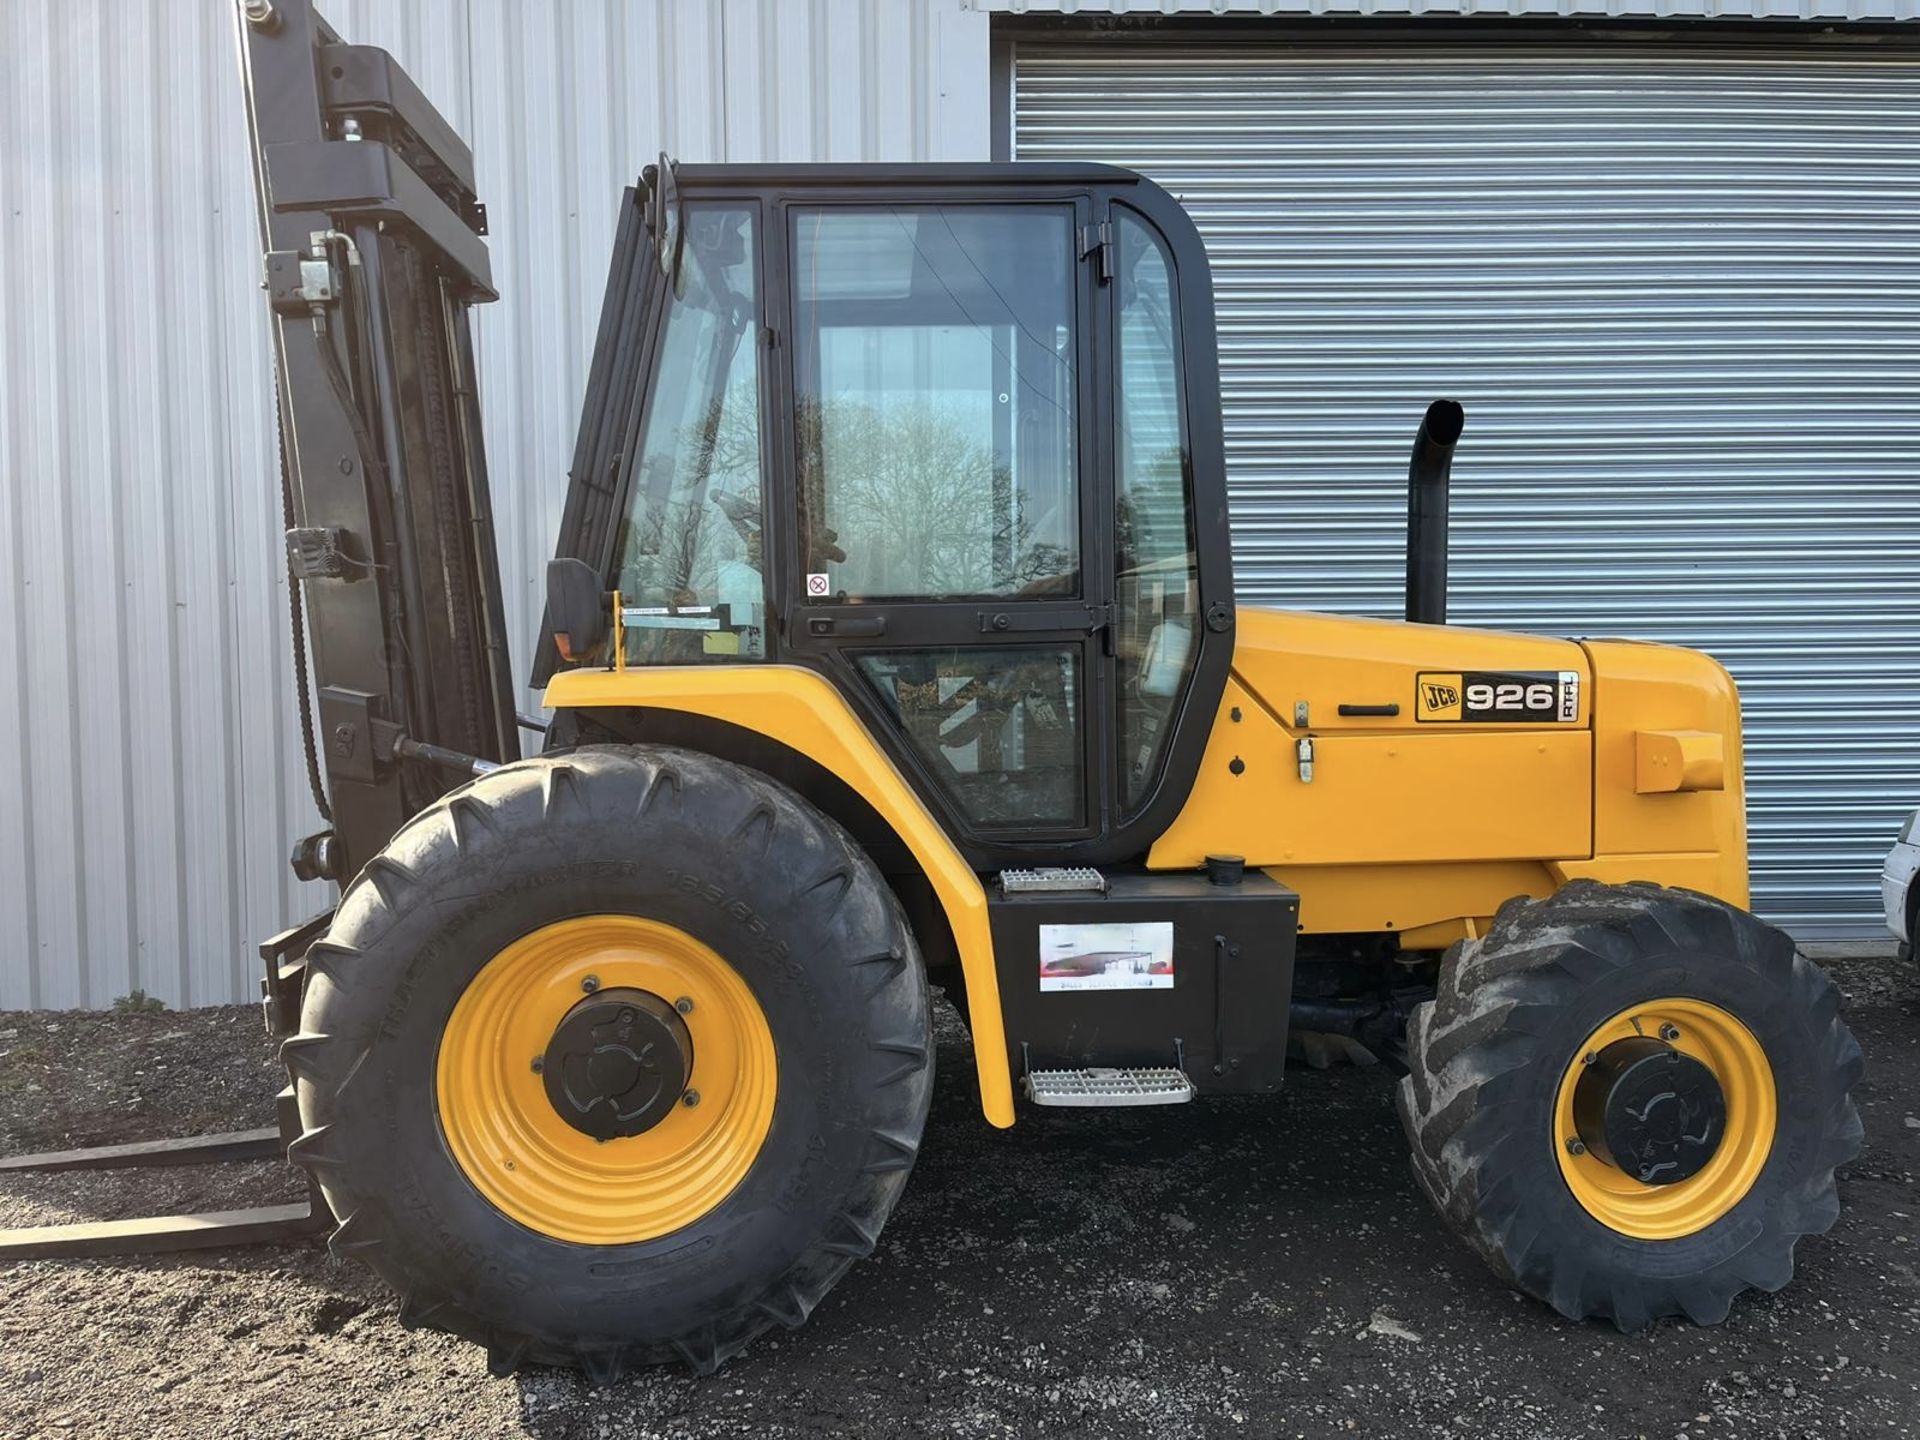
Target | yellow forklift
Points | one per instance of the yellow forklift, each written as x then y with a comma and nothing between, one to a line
892,643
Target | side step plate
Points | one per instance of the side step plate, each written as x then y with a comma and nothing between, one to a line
1162,1085
1053,880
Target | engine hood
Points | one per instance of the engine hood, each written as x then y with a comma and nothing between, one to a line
1355,673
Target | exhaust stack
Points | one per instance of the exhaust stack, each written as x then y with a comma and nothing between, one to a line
1427,475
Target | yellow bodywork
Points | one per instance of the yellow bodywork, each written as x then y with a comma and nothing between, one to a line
1424,828
1671,760
801,709
1419,823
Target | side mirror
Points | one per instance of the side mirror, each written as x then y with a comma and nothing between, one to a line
665,221
578,610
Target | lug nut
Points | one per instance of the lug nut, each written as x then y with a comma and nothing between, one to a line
590,984
1669,1032
684,1005
1589,1058
1576,1146
539,1063
690,1099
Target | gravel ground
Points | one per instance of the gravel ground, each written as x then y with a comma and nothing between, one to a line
1242,1267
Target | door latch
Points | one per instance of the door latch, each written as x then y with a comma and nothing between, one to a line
1090,618
1304,749
860,627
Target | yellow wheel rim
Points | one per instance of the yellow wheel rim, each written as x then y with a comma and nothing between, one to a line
1667,1212
527,1160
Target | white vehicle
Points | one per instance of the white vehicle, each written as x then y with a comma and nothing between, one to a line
1900,884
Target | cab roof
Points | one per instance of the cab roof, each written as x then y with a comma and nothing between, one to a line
887,175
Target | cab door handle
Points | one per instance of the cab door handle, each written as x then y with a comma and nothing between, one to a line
864,627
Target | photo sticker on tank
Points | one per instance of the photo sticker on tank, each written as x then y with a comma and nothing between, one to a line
1111,956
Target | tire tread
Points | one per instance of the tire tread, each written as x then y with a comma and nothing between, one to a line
1537,957
323,1065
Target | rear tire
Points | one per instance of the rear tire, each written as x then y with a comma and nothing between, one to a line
1514,1013
729,858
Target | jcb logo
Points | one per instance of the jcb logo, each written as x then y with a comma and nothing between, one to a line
1437,697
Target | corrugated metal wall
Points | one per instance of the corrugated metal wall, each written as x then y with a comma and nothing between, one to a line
1677,287
150,781
1844,11
1678,292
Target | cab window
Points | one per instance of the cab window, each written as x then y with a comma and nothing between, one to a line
934,402
996,726
690,557
1153,514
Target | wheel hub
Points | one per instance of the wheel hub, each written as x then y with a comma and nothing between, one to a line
1654,1113
618,1063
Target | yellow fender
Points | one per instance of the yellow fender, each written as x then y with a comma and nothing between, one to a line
800,709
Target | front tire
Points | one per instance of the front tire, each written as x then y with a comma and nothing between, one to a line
797,1073
1556,987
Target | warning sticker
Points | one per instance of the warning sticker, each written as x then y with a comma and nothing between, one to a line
818,587
1116,956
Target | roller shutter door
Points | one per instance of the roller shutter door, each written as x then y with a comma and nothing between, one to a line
1677,287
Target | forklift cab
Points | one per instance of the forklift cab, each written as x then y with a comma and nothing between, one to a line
954,445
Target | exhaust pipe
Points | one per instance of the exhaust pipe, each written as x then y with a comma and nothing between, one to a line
1427,475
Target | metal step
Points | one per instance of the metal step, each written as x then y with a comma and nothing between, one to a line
1101,1085
1052,880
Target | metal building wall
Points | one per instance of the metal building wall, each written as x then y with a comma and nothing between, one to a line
1865,12
150,780
1677,286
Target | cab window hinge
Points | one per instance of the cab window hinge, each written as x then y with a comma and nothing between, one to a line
1100,622
1096,242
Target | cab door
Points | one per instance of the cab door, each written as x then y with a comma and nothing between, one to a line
947,567
999,474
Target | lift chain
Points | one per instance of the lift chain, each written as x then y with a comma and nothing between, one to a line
298,615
